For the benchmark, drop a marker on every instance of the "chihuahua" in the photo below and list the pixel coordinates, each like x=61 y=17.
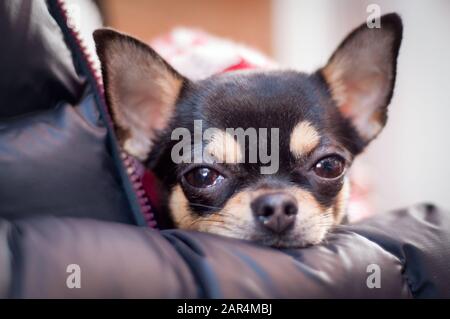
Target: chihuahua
x=313 y=126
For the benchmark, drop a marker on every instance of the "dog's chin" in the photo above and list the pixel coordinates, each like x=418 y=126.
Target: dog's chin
x=289 y=240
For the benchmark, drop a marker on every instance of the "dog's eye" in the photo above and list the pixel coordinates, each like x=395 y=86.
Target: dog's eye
x=202 y=177
x=329 y=167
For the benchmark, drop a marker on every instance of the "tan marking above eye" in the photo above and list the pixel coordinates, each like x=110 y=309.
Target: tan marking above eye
x=304 y=138
x=223 y=148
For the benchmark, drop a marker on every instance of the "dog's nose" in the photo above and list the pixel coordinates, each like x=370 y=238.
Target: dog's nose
x=275 y=211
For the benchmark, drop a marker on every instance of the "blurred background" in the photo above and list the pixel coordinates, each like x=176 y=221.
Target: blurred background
x=407 y=164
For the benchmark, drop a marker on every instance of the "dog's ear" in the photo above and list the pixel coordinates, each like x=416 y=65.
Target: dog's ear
x=361 y=74
x=141 y=89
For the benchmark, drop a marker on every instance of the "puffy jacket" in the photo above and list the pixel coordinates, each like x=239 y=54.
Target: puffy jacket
x=66 y=198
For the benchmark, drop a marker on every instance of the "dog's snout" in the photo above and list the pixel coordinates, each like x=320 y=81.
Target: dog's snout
x=275 y=211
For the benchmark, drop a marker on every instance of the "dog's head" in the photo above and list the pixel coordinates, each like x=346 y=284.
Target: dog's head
x=259 y=155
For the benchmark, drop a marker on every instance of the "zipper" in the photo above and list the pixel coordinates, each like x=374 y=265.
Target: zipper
x=133 y=168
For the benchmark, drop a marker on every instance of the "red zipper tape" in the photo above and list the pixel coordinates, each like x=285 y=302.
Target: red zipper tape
x=133 y=167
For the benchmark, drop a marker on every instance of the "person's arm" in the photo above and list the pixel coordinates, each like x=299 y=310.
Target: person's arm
x=400 y=255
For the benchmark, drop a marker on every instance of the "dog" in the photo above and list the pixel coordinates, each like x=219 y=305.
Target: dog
x=313 y=125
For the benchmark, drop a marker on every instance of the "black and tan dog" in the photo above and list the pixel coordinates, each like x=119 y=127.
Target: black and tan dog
x=321 y=120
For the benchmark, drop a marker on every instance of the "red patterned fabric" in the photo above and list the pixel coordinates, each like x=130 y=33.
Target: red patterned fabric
x=197 y=54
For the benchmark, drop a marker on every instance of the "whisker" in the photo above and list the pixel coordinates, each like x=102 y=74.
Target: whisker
x=200 y=205
x=205 y=206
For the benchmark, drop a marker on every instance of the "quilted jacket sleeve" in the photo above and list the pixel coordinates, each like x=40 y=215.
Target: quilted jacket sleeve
x=402 y=254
